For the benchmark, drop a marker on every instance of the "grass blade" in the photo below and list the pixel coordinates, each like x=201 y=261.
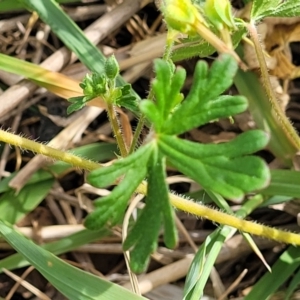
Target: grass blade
x=288 y=262
x=70 y=281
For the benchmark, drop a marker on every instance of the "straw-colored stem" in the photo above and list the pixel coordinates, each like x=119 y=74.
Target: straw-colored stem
x=177 y=201
x=116 y=129
x=280 y=115
x=217 y=43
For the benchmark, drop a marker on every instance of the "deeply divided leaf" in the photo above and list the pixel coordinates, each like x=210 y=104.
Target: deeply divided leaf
x=223 y=168
x=143 y=236
x=203 y=103
x=111 y=208
x=228 y=168
x=166 y=88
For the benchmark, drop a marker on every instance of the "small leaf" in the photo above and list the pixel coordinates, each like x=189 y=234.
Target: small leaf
x=219 y=13
x=167 y=86
x=289 y=8
x=125 y=97
x=151 y=112
x=198 y=47
x=126 y=89
x=222 y=168
x=77 y=104
x=260 y=9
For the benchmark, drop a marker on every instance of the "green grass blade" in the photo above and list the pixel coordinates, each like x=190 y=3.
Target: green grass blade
x=288 y=262
x=13 y=5
x=14 y=207
x=64 y=245
x=70 y=281
x=293 y=285
x=284 y=183
x=208 y=252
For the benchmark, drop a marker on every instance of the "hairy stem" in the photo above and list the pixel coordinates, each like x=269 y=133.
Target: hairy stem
x=177 y=201
x=26 y=144
x=116 y=129
x=217 y=43
x=137 y=133
x=286 y=125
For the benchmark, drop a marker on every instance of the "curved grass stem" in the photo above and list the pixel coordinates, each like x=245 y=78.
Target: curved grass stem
x=177 y=201
x=283 y=120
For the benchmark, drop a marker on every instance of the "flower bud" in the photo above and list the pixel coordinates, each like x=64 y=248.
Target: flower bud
x=219 y=13
x=111 y=67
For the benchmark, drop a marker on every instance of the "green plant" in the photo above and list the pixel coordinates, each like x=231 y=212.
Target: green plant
x=228 y=170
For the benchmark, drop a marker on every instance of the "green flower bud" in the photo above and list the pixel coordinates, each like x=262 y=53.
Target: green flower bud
x=219 y=13
x=99 y=84
x=111 y=67
x=87 y=85
x=93 y=85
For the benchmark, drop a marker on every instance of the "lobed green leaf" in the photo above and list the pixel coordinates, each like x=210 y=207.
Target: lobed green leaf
x=105 y=176
x=221 y=107
x=203 y=103
x=222 y=168
x=143 y=236
x=110 y=209
x=166 y=87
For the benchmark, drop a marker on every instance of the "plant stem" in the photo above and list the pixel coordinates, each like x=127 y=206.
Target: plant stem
x=39 y=148
x=217 y=43
x=233 y=221
x=178 y=202
x=286 y=125
x=137 y=133
x=116 y=129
